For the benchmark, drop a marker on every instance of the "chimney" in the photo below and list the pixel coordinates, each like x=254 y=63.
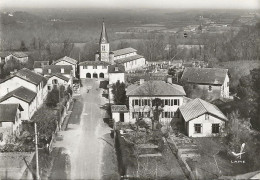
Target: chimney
x=111 y=58
x=141 y=81
x=97 y=56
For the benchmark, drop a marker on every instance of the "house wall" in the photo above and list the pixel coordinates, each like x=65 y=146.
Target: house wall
x=38 y=70
x=74 y=67
x=206 y=126
x=29 y=109
x=14 y=83
x=22 y=60
x=60 y=82
x=135 y=64
x=83 y=69
x=124 y=55
x=116 y=117
x=167 y=108
x=114 y=77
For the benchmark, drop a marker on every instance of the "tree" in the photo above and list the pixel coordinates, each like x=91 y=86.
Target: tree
x=119 y=93
x=53 y=98
x=23 y=47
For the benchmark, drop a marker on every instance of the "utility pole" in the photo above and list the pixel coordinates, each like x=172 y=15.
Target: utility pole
x=36 y=151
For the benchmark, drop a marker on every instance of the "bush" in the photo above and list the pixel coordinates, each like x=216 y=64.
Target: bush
x=53 y=98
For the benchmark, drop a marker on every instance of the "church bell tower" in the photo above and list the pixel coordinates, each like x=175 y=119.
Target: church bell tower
x=104 y=44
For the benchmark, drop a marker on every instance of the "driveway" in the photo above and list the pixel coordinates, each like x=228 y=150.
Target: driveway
x=89 y=154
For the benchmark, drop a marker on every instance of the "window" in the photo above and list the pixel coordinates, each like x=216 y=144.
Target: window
x=49 y=71
x=171 y=102
x=166 y=102
x=197 y=128
x=215 y=128
x=94 y=67
x=210 y=88
x=116 y=69
x=85 y=67
x=19 y=115
x=62 y=70
x=49 y=88
x=103 y=48
x=206 y=117
x=176 y=102
x=136 y=102
x=54 y=81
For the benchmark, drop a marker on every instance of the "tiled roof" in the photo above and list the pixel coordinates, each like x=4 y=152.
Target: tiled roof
x=94 y=63
x=124 y=51
x=112 y=68
x=27 y=75
x=30 y=76
x=128 y=59
x=198 y=107
x=19 y=54
x=103 y=36
x=67 y=59
x=4 y=54
x=60 y=76
x=8 y=112
x=119 y=108
x=214 y=76
x=57 y=69
x=21 y=93
x=40 y=64
x=155 y=88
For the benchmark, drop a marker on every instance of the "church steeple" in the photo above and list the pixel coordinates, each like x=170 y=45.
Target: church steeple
x=104 y=44
x=103 y=36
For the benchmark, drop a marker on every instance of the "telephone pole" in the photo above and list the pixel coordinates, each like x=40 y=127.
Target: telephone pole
x=36 y=152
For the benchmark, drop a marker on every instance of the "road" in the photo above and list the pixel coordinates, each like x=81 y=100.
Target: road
x=88 y=153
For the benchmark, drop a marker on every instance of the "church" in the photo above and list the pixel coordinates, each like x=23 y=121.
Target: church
x=98 y=68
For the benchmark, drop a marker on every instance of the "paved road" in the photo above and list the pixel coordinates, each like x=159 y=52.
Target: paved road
x=82 y=140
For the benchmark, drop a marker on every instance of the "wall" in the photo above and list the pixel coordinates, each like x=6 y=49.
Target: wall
x=116 y=117
x=166 y=108
x=206 y=126
x=114 y=77
x=83 y=72
x=74 y=67
x=135 y=64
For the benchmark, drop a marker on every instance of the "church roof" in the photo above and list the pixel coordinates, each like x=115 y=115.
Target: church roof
x=120 y=52
x=103 y=36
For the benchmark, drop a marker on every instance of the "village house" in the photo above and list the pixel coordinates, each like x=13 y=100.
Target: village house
x=26 y=78
x=56 y=80
x=201 y=119
x=5 y=56
x=210 y=82
x=93 y=69
x=116 y=73
x=10 y=121
x=141 y=96
x=68 y=61
x=38 y=66
x=20 y=56
x=25 y=97
x=65 y=70
x=120 y=113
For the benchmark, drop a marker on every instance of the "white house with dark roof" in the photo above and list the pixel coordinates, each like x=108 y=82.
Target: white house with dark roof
x=58 y=80
x=26 y=78
x=38 y=66
x=65 y=70
x=211 y=81
x=93 y=69
x=25 y=97
x=67 y=61
x=10 y=121
x=141 y=96
x=120 y=113
x=20 y=56
x=202 y=119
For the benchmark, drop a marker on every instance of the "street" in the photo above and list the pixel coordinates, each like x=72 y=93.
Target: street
x=89 y=155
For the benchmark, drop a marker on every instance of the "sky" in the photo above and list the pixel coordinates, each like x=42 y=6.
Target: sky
x=212 y=4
